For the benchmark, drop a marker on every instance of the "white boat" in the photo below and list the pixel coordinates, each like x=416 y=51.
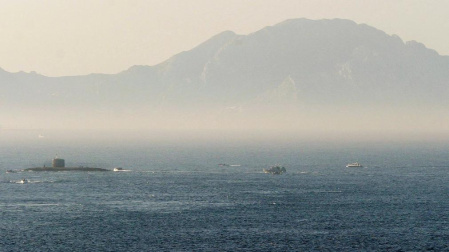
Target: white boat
x=356 y=164
x=118 y=169
x=23 y=181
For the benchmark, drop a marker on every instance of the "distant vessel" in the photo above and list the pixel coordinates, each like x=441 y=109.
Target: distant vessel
x=356 y=164
x=23 y=181
x=229 y=165
x=275 y=169
x=118 y=169
x=58 y=164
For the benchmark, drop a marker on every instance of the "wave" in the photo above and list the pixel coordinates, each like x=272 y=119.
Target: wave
x=34 y=181
x=325 y=191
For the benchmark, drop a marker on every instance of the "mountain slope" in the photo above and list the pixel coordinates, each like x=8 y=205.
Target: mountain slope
x=299 y=73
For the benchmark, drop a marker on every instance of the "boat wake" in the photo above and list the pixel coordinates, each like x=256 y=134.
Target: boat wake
x=28 y=181
x=21 y=181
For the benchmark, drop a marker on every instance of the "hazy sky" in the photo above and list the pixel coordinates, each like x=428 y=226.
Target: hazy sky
x=74 y=37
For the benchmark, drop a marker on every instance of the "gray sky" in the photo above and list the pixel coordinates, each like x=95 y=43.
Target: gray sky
x=75 y=37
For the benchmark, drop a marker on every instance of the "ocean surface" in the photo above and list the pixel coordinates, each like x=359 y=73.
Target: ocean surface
x=175 y=197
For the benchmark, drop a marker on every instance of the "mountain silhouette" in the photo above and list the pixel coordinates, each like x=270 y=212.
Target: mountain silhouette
x=290 y=72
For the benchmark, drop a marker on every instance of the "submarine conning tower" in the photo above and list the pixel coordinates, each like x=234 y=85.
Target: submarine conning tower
x=58 y=163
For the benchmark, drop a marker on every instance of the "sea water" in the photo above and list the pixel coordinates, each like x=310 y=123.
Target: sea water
x=175 y=197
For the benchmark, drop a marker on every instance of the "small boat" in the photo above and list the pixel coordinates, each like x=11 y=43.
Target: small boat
x=229 y=165
x=23 y=181
x=356 y=164
x=275 y=169
x=118 y=169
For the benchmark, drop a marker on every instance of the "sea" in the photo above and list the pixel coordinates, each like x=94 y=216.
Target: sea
x=174 y=196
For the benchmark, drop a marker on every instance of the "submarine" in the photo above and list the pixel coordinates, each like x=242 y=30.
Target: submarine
x=58 y=164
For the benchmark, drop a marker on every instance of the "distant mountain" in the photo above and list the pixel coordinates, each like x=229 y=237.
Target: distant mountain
x=290 y=73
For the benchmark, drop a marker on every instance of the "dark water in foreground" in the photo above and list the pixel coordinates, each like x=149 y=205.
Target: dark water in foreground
x=176 y=198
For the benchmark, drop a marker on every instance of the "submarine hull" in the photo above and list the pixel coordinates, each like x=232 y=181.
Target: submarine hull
x=58 y=169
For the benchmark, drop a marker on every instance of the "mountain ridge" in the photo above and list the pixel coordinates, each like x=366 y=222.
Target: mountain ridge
x=291 y=68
